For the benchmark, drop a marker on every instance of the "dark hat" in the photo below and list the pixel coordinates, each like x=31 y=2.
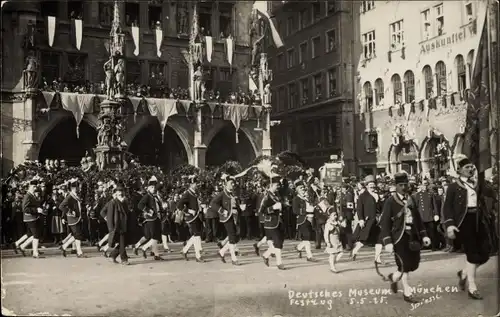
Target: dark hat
x=401 y=178
x=193 y=179
x=463 y=161
x=73 y=182
x=153 y=181
x=118 y=188
x=275 y=180
x=33 y=182
x=299 y=183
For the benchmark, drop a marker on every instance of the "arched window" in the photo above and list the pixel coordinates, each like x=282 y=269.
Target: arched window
x=441 y=78
x=470 y=60
x=396 y=88
x=379 y=91
x=367 y=89
x=461 y=73
x=427 y=72
x=409 y=82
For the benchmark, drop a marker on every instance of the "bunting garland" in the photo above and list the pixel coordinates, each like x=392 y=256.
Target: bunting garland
x=162 y=109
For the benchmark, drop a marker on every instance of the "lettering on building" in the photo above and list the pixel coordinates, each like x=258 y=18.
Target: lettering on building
x=447 y=40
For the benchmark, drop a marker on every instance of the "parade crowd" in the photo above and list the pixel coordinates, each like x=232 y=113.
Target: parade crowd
x=144 y=208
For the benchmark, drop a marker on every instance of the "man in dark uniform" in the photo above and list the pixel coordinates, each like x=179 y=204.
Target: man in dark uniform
x=402 y=232
x=116 y=216
x=464 y=214
x=347 y=201
x=211 y=221
x=305 y=216
x=72 y=210
x=227 y=205
x=151 y=205
x=426 y=205
x=189 y=204
x=273 y=224
x=368 y=208
x=32 y=210
x=260 y=214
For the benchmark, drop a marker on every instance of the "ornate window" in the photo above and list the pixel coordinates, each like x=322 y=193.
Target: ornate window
x=371 y=141
x=50 y=66
x=75 y=10
x=132 y=14
x=429 y=82
x=105 y=13
x=332 y=82
x=304 y=88
x=157 y=74
x=318 y=86
x=379 y=91
x=441 y=78
x=461 y=73
x=133 y=72
x=205 y=18
x=225 y=19
x=368 y=91
x=369 y=44
x=396 y=89
x=155 y=16
x=292 y=92
x=75 y=71
x=409 y=82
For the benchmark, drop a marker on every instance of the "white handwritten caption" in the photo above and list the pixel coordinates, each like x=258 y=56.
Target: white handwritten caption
x=371 y=296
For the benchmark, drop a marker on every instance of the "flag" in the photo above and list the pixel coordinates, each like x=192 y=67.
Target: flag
x=261 y=8
x=477 y=138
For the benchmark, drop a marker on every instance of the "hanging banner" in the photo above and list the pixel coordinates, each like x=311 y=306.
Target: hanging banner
x=78 y=33
x=235 y=114
x=159 y=41
x=229 y=48
x=209 y=46
x=135 y=37
x=51 y=29
x=162 y=109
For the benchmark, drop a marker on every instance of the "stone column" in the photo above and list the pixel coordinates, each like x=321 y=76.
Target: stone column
x=199 y=149
x=29 y=143
x=266 y=133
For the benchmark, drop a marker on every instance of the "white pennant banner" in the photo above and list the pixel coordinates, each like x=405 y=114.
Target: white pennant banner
x=159 y=40
x=135 y=37
x=229 y=47
x=51 y=29
x=78 y=33
x=209 y=43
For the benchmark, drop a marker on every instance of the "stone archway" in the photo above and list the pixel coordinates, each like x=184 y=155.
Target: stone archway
x=60 y=141
x=403 y=156
x=435 y=156
x=222 y=146
x=147 y=145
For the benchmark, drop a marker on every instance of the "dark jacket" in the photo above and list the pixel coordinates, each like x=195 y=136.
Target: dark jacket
x=150 y=206
x=426 y=205
x=72 y=209
x=223 y=202
x=189 y=201
x=272 y=217
x=393 y=220
x=30 y=207
x=116 y=215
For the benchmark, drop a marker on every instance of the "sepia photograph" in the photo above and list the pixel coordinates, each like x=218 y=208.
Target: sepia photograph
x=199 y=158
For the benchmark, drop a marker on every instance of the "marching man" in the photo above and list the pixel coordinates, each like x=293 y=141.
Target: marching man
x=273 y=224
x=72 y=211
x=31 y=215
x=189 y=203
x=151 y=205
x=115 y=213
x=402 y=230
x=305 y=215
x=464 y=211
x=227 y=205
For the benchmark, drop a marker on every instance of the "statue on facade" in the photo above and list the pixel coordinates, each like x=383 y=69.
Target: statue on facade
x=198 y=84
x=267 y=94
x=108 y=70
x=182 y=17
x=29 y=36
x=104 y=134
x=30 y=73
x=119 y=84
